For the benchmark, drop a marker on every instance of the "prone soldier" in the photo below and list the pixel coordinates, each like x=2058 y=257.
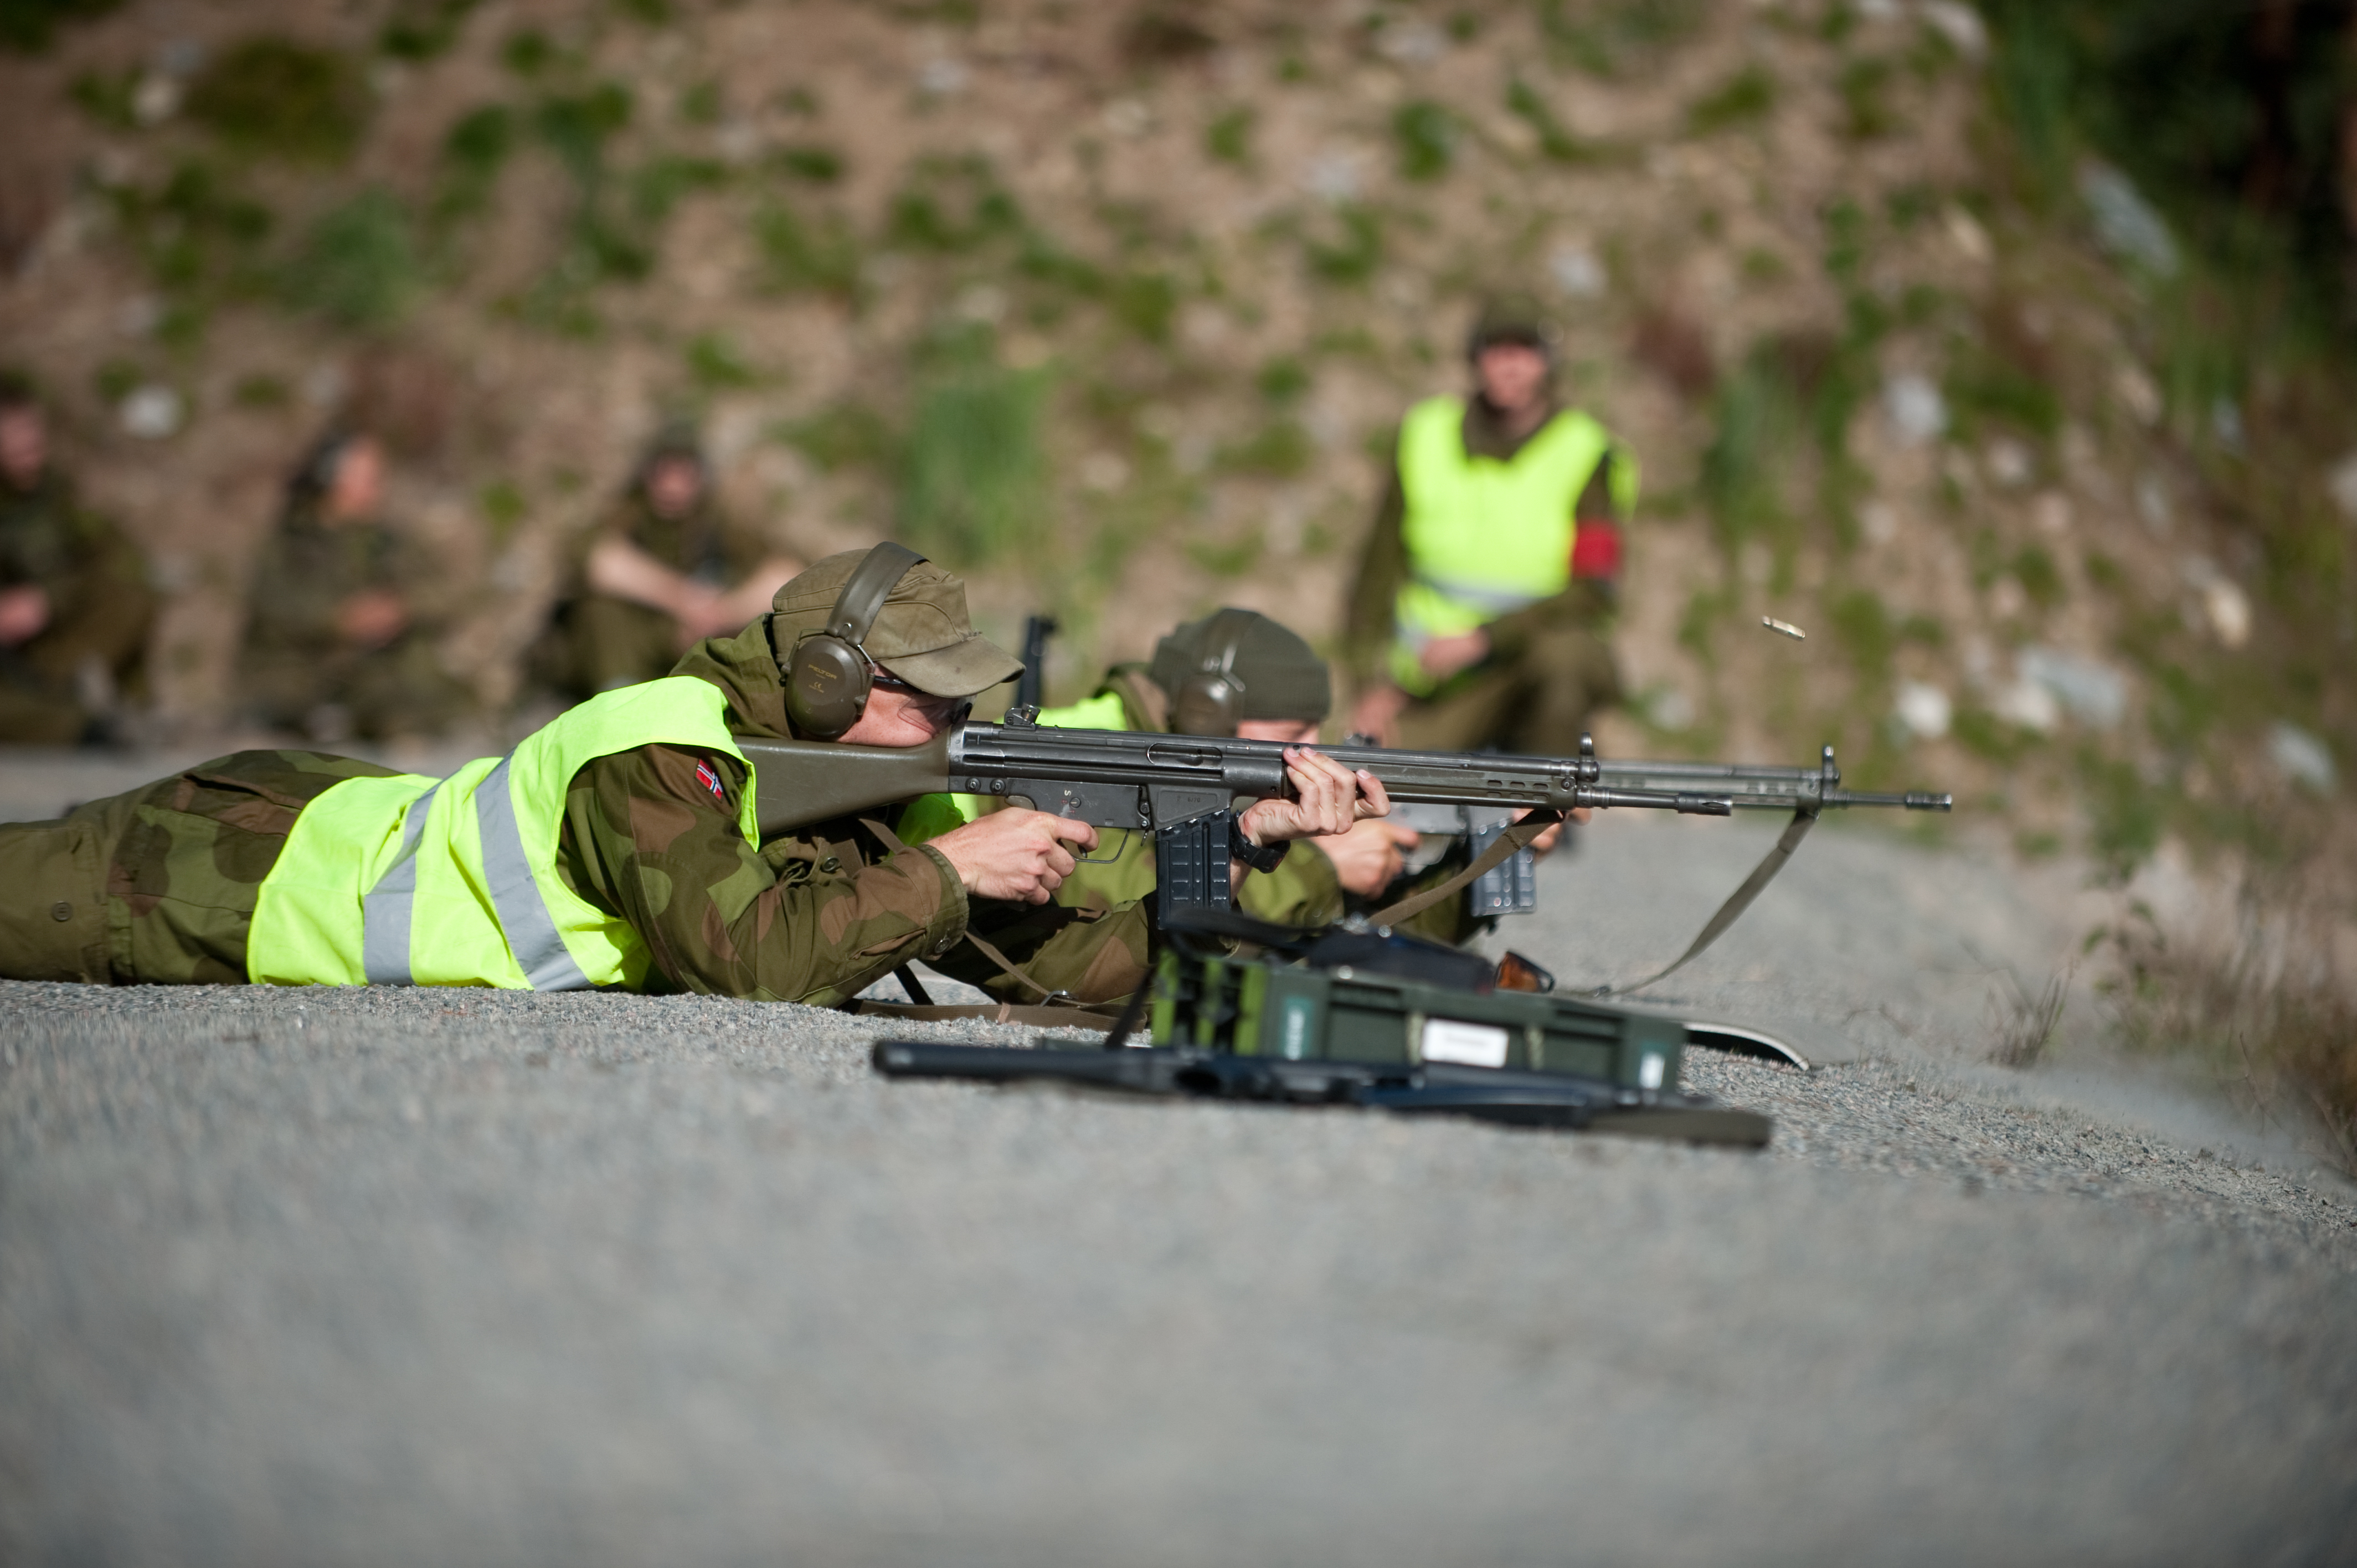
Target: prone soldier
x=617 y=845
x=340 y=638
x=664 y=568
x=1477 y=616
x=75 y=605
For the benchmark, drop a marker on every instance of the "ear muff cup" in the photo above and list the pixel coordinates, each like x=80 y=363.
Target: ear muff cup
x=1209 y=701
x=829 y=674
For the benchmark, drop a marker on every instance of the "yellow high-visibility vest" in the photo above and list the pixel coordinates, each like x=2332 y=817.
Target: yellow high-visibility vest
x=1484 y=537
x=416 y=881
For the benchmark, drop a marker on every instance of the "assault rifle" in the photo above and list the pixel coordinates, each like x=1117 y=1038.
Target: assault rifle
x=1184 y=790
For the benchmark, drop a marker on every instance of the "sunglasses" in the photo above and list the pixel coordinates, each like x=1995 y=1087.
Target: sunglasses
x=882 y=680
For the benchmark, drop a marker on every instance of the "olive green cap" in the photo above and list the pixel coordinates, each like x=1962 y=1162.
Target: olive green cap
x=1280 y=675
x=922 y=635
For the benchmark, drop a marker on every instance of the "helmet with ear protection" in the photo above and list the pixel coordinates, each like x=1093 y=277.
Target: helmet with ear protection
x=1209 y=701
x=828 y=673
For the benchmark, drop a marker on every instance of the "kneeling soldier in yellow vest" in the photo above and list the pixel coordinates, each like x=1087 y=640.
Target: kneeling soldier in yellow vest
x=614 y=848
x=1477 y=616
x=1234 y=672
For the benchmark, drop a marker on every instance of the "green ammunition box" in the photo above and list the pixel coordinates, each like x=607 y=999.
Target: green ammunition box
x=1257 y=1008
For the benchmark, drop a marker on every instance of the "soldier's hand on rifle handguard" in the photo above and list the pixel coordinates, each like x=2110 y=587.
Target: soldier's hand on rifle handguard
x=1331 y=798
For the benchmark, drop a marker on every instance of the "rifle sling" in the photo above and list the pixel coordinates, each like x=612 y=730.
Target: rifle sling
x=1511 y=839
x=1736 y=902
x=994 y=1010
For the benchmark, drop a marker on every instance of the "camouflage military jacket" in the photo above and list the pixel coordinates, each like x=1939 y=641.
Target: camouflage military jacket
x=648 y=834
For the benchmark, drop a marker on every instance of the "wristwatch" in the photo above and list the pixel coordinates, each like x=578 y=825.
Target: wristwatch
x=1259 y=856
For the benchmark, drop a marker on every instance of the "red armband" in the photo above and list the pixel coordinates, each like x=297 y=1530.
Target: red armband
x=1596 y=548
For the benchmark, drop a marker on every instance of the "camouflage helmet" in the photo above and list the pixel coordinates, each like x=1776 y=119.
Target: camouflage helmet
x=1514 y=318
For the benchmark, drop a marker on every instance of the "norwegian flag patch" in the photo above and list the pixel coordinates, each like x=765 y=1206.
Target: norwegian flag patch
x=711 y=780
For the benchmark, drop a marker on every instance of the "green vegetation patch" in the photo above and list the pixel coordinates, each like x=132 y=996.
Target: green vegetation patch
x=273 y=97
x=811 y=162
x=843 y=436
x=1865 y=85
x=422 y=30
x=1349 y=249
x=1619 y=38
x=949 y=206
x=359 y=265
x=1229 y=137
x=715 y=363
x=801 y=253
x=1279 y=449
x=974 y=477
x=28 y=25
x=1745 y=99
x=1425 y=136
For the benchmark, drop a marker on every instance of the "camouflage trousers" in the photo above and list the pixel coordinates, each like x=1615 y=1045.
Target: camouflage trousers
x=157 y=885
x=1536 y=702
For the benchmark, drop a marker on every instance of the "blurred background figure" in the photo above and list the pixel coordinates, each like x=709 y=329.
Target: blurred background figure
x=1488 y=581
x=75 y=605
x=665 y=568
x=341 y=640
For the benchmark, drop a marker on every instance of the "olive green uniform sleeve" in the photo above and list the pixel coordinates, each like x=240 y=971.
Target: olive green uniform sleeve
x=810 y=919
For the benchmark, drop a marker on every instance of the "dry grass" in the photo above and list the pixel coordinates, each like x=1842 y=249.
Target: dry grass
x=2269 y=1008
x=2027 y=1020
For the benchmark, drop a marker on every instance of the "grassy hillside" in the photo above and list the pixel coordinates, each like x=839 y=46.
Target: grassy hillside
x=1948 y=337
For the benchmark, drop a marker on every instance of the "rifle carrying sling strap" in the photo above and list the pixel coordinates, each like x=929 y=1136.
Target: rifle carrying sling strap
x=1736 y=902
x=1513 y=840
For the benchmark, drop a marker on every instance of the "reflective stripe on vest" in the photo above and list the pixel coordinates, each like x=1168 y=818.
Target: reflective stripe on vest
x=389 y=907
x=412 y=880
x=525 y=918
x=1483 y=537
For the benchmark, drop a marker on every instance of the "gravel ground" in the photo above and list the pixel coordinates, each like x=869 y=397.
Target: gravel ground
x=387 y=1277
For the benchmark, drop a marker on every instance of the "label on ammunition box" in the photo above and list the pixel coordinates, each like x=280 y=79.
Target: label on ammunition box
x=1473 y=1045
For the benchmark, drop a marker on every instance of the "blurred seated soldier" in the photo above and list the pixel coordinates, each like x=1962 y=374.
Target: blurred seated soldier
x=1278 y=690
x=75 y=605
x=1492 y=568
x=656 y=578
x=617 y=847
x=342 y=630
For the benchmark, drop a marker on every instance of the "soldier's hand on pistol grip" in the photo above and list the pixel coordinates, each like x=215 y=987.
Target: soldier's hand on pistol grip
x=1015 y=854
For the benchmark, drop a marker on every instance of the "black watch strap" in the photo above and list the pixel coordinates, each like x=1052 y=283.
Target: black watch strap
x=1259 y=856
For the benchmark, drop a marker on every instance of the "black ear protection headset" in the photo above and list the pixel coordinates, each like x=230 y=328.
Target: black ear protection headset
x=1208 y=701
x=829 y=674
